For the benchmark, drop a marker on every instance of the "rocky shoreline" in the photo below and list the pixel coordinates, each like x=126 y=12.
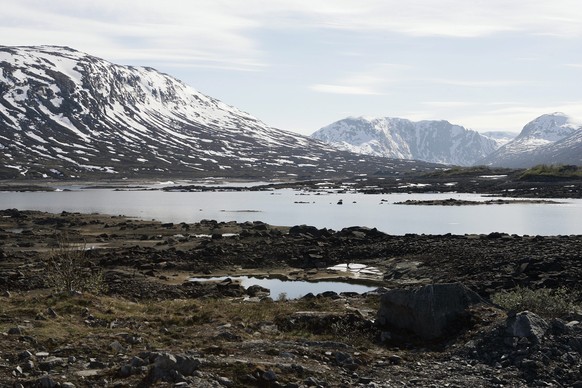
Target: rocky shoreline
x=154 y=327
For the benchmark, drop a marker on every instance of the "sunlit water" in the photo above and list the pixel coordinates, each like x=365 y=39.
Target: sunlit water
x=290 y=207
x=293 y=289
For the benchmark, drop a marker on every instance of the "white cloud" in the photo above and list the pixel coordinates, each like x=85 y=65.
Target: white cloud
x=178 y=31
x=227 y=32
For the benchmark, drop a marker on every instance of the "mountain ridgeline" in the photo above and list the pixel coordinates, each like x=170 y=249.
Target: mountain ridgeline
x=549 y=139
x=431 y=141
x=66 y=114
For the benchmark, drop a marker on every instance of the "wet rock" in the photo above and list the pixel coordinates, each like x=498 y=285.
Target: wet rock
x=429 y=312
x=256 y=290
x=304 y=230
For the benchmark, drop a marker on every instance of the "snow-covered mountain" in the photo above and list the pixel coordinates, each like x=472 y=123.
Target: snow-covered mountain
x=549 y=139
x=64 y=113
x=431 y=141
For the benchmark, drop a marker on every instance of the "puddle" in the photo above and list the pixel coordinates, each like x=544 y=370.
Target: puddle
x=210 y=236
x=293 y=289
x=356 y=269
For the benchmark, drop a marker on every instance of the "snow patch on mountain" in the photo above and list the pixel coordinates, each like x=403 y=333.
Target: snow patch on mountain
x=55 y=101
x=432 y=141
x=550 y=138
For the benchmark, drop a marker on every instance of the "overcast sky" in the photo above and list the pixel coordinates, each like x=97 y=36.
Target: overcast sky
x=302 y=64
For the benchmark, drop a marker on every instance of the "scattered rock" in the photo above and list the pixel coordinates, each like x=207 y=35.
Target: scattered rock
x=172 y=368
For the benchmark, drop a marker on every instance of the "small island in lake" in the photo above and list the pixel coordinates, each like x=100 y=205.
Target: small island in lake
x=464 y=202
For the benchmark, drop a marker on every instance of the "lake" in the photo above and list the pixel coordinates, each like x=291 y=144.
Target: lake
x=289 y=207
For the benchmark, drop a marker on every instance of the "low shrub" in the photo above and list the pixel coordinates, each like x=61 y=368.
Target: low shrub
x=68 y=269
x=549 y=303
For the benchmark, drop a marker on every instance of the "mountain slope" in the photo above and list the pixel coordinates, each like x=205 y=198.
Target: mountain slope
x=549 y=139
x=500 y=137
x=64 y=113
x=431 y=141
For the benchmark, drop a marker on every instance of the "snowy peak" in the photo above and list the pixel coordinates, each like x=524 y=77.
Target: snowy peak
x=549 y=127
x=549 y=139
x=67 y=114
x=432 y=141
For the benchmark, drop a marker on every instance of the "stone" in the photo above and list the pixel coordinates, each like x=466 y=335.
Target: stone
x=269 y=375
x=137 y=362
x=15 y=331
x=395 y=359
x=256 y=290
x=45 y=382
x=116 y=347
x=51 y=362
x=225 y=381
x=125 y=371
x=170 y=367
x=429 y=312
x=25 y=355
x=526 y=325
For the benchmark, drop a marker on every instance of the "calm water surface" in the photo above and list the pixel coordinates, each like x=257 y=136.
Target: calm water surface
x=293 y=289
x=290 y=207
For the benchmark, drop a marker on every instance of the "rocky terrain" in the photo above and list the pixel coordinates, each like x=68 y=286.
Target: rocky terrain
x=147 y=325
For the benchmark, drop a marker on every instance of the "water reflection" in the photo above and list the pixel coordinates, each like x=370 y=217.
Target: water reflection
x=319 y=209
x=292 y=289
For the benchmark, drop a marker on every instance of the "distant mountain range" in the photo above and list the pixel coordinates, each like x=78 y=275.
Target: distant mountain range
x=432 y=141
x=67 y=114
x=549 y=139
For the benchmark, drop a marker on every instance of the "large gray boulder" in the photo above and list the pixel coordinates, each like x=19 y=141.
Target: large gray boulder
x=429 y=312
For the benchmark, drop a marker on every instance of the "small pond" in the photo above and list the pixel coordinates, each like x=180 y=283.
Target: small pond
x=293 y=289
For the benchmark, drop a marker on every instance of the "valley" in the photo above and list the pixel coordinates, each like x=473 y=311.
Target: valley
x=125 y=190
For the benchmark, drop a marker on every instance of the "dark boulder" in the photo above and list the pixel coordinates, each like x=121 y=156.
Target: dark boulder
x=429 y=312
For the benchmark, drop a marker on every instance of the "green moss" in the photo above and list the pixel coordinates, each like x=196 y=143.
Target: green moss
x=552 y=171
